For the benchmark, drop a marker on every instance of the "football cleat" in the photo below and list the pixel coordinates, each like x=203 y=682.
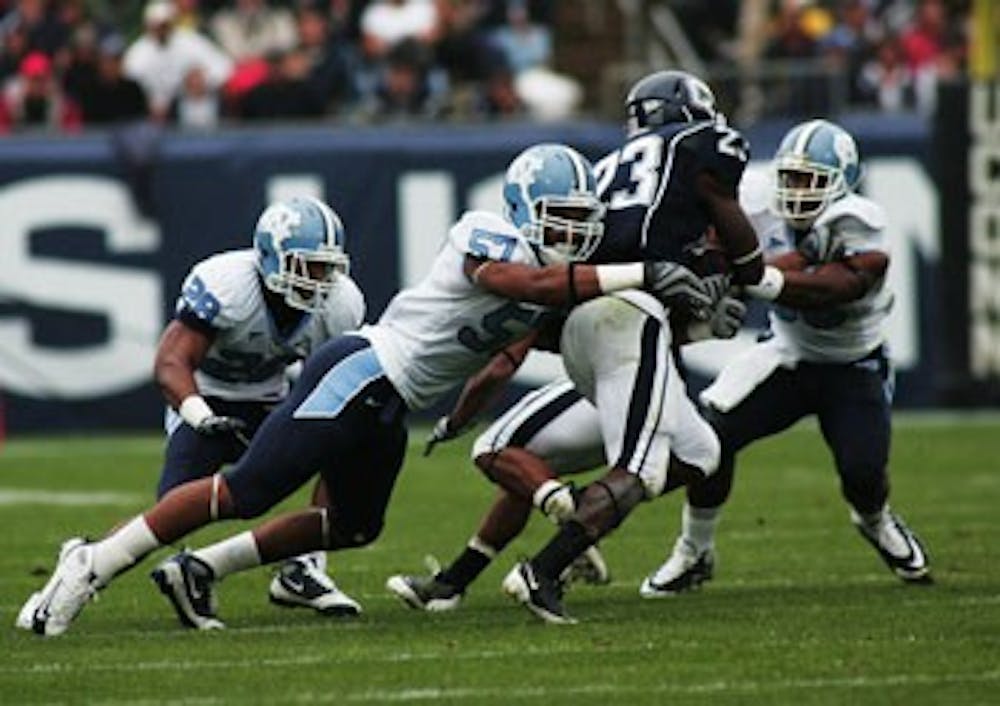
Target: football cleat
x=189 y=583
x=428 y=593
x=684 y=570
x=589 y=567
x=539 y=594
x=50 y=611
x=300 y=583
x=898 y=546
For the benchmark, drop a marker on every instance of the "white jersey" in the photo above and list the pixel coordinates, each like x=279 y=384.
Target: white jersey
x=248 y=356
x=850 y=225
x=444 y=329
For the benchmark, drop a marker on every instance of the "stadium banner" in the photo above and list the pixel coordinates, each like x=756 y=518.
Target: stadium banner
x=99 y=231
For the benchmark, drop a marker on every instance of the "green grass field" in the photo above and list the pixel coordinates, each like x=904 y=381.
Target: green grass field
x=801 y=610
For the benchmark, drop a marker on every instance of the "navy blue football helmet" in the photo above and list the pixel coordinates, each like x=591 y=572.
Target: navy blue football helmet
x=668 y=97
x=550 y=195
x=816 y=163
x=300 y=250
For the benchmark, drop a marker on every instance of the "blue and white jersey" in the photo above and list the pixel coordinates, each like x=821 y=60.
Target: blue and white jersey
x=851 y=225
x=248 y=355
x=434 y=335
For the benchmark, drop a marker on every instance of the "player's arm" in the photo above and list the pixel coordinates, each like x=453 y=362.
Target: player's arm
x=566 y=285
x=481 y=389
x=826 y=285
x=833 y=283
x=732 y=227
x=181 y=349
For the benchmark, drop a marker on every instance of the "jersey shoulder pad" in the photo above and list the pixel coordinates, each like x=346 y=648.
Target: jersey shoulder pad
x=717 y=148
x=222 y=289
x=489 y=236
x=854 y=207
x=344 y=309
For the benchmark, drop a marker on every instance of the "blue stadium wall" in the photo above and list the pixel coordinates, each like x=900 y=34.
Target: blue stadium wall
x=98 y=232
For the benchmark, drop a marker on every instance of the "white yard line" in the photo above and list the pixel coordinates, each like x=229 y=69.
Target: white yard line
x=32 y=496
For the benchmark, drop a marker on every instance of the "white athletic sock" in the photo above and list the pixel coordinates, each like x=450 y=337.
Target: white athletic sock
x=698 y=526
x=477 y=544
x=123 y=548
x=237 y=553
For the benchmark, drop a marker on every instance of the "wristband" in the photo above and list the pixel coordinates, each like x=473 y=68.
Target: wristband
x=544 y=491
x=611 y=278
x=770 y=285
x=194 y=410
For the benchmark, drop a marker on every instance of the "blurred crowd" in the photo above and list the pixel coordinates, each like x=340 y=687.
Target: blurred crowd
x=69 y=64
x=196 y=64
x=881 y=54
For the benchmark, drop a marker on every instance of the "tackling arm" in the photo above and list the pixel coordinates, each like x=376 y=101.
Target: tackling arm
x=833 y=283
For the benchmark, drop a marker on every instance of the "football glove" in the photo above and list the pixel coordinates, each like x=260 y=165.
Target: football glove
x=672 y=284
x=442 y=431
x=727 y=317
x=219 y=426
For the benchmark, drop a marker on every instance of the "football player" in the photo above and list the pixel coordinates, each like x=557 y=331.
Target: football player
x=242 y=318
x=491 y=283
x=674 y=177
x=828 y=254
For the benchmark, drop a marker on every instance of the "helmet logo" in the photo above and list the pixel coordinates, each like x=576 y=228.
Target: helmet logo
x=523 y=172
x=280 y=220
x=845 y=149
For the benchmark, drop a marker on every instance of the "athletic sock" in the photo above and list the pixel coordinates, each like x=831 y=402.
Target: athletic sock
x=476 y=556
x=570 y=541
x=236 y=553
x=123 y=548
x=698 y=526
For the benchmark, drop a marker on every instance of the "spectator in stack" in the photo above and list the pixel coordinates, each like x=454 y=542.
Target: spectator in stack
x=252 y=29
x=34 y=99
x=405 y=87
x=524 y=44
x=885 y=80
x=164 y=55
x=111 y=97
x=386 y=23
x=198 y=106
x=286 y=92
x=331 y=63
x=42 y=29
x=462 y=48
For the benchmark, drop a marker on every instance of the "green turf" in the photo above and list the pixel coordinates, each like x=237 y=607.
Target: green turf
x=801 y=610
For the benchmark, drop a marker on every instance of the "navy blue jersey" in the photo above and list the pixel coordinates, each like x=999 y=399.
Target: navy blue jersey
x=649 y=187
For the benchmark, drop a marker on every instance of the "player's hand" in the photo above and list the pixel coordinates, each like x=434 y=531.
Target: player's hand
x=442 y=431
x=727 y=317
x=672 y=283
x=220 y=426
x=717 y=287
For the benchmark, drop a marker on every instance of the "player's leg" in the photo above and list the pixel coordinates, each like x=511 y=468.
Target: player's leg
x=620 y=356
x=855 y=418
x=355 y=433
x=770 y=408
x=549 y=432
x=304 y=581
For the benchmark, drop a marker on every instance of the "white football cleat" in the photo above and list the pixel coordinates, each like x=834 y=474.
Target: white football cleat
x=684 y=570
x=302 y=584
x=428 y=592
x=899 y=547
x=73 y=584
x=539 y=594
